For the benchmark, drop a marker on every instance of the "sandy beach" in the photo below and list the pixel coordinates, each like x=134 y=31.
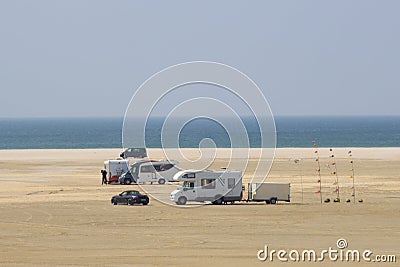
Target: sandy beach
x=55 y=212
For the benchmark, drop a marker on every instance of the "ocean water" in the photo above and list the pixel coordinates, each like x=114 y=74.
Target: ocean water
x=375 y=131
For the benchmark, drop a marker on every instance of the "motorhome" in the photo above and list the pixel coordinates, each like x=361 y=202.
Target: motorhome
x=115 y=168
x=208 y=185
x=150 y=171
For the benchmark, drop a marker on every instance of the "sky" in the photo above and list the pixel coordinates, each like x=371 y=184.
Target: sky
x=81 y=58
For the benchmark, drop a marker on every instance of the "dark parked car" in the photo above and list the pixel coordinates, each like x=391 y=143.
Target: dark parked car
x=127 y=178
x=134 y=153
x=130 y=197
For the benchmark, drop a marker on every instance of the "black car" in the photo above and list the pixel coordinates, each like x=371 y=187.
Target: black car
x=134 y=153
x=130 y=197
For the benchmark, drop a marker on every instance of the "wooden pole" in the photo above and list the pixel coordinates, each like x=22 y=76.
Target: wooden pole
x=337 y=188
x=318 y=170
x=298 y=161
x=352 y=176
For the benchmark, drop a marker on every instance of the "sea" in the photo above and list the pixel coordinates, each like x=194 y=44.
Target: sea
x=291 y=131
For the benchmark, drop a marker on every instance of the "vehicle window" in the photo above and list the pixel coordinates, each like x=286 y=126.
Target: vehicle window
x=133 y=169
x=125 y=193
x=165 y=167
x=149 y=168
x=187 y=184
x=134 y=193
x=208 y=183
x=231 y=183
x=189 y=175
x=157 y=167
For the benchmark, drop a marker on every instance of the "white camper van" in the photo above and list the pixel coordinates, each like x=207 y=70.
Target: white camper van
x=206 y=185
x=115 y=168
x=150 y=171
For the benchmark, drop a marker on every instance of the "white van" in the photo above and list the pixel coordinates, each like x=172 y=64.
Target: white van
x=207 y=185
x=150 y=171
x=115 y=168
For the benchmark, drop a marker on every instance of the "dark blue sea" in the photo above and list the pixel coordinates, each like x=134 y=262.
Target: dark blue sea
x=375 y=131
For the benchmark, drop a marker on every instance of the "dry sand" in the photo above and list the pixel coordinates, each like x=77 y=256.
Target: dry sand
x=54 y=212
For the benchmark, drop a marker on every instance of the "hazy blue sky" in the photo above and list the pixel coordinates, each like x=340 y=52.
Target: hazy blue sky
x=86 y=58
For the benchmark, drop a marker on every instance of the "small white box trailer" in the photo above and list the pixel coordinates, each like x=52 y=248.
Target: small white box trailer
x=269 y=192
x=207 y=185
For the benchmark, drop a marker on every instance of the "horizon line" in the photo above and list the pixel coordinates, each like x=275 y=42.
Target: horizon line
x=241 y=116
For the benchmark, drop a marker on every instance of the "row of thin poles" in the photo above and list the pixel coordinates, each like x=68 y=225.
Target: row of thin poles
x=334 y=173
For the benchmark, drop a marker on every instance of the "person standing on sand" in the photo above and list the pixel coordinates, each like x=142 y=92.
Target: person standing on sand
x=103 y=177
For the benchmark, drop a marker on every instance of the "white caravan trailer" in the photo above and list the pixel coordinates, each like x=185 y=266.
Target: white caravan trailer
x=150 y=171
x=269 y=192
x=206 y=185
x=115 y=168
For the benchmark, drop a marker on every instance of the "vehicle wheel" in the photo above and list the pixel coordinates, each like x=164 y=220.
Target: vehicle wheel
x=145 y=203
x=182 y=200
x=161 y=181
x=130 y=202
x=272 y=201
x=114 y=202
x=218 y=200
x=127 y=181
